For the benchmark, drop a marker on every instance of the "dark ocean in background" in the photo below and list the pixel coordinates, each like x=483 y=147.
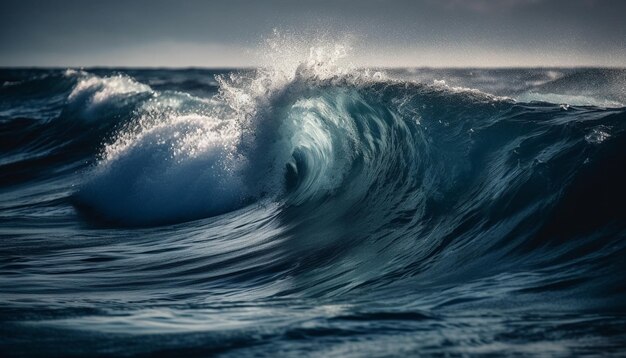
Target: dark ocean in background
x=312 y=211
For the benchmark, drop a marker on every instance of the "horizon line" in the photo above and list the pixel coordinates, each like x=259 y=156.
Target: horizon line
x=230 y=68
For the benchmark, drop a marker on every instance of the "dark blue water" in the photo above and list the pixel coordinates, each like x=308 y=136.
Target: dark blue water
x=312 y=212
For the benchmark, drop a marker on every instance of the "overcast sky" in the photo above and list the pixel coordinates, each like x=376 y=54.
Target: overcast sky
x=71 y=33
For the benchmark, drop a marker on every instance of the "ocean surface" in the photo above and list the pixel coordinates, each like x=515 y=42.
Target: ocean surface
x=312 y=210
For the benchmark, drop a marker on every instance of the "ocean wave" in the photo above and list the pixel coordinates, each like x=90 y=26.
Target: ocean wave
x=425 y=173
x=234 y=151
x=95 y=97
x=301 y=134
x=306 y=201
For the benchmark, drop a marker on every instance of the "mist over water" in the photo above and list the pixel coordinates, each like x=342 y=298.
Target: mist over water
x=312 y=207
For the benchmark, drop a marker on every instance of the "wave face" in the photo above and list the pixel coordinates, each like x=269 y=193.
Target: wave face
x=312 y=208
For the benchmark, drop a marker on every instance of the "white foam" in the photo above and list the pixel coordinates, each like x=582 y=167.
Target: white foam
x=442 y=84
x=93 y=93
x=598 y=135
x=168 y=169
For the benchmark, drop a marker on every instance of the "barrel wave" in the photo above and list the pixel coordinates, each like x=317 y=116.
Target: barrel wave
x=312 y=209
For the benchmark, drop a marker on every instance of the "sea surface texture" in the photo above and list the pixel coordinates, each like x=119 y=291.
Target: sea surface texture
x=312 y=210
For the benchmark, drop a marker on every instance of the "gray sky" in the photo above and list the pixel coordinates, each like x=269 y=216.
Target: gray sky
x=384 y=33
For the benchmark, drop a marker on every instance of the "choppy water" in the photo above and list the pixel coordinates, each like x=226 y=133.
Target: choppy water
x=312 y=211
